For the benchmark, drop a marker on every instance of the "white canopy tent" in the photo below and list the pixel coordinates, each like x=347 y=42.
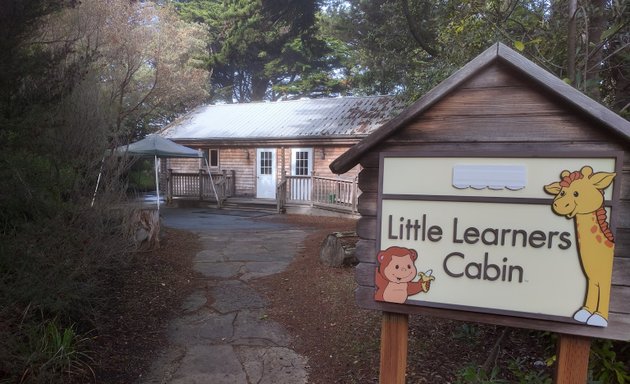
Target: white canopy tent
x=159 y=147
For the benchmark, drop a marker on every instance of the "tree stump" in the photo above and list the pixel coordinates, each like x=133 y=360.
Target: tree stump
x=338 y=249
x=145 y=227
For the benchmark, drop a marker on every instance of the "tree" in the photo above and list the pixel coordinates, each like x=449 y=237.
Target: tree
x=259 y=49
x=74 y=79
x=150 y=65
x=385 y=53
x=408 y=46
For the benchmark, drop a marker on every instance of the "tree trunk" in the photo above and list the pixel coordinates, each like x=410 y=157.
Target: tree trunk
x=571 y=41
x=145 y=224
x=334 y=253
x=259 y=88
x=621 y=80
x=596 y=26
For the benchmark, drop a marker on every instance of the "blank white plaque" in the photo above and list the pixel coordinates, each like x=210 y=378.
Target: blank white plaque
x=495 y=177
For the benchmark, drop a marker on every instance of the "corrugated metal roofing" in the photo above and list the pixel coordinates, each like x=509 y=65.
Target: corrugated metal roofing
x=283 y=119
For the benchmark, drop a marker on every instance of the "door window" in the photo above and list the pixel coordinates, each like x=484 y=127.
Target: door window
x=265 y=163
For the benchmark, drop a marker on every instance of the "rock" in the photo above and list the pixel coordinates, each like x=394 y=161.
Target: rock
x=141 y=235
x=338 y=249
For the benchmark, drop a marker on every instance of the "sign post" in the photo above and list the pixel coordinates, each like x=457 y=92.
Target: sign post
x=394 y=339
x=572 y=359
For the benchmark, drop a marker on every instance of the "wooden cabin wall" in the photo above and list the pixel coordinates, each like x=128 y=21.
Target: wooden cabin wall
x=184 y=165
x=230 y=159
x=496 y=111
x=243 y=162
x=322 y=165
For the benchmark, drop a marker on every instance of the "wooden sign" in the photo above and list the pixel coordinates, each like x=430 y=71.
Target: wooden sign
x=501 y=236
x=526 y=236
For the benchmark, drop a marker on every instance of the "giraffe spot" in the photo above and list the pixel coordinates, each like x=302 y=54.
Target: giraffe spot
x=598 y=238
x=594 y=229
x=609 y=244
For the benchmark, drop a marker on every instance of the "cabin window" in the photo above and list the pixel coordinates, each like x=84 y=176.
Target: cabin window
x=301 y=161
x=212 y=157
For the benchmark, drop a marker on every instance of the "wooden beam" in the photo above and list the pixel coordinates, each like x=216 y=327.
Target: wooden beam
x=572 y=354
x=394 y=338
x=617 y=329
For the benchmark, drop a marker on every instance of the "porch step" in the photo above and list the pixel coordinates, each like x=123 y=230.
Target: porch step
x=250 y=204
x=232 y=203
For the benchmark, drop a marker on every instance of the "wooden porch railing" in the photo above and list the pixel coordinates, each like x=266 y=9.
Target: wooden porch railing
x=325 y=192
x=198 y=185
x=281 y=195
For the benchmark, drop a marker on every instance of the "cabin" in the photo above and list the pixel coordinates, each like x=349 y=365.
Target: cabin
x=500 y=121
x=275 y=149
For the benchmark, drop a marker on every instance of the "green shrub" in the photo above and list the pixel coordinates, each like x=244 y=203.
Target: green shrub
x=608 y=362
x=524 y=374
x=467 y=332
x=55 y=274
x=473 y=374
x=142 y=176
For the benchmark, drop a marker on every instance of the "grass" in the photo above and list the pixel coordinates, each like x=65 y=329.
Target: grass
x=55 y=352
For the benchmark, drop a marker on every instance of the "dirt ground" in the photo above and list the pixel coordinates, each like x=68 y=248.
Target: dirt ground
x=317 y=306
x=342 y=341
x=152 y=288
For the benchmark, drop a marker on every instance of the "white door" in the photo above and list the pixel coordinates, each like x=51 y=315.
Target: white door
x=301 y=166
x=266 y=173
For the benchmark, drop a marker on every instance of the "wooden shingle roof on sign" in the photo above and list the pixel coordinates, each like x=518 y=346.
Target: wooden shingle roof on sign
x=295 y=119
x=554 y=86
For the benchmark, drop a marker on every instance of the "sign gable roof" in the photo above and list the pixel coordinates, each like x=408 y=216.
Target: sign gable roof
x=497 y=52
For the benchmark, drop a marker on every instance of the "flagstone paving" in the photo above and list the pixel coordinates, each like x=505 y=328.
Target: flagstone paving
x=224 y=335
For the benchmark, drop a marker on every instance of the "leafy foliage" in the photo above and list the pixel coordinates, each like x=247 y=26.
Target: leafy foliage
x=150 y=64
x=382 y=56
x=609 y=362
x=262 y=49
x=409 y=46
x=75 y=79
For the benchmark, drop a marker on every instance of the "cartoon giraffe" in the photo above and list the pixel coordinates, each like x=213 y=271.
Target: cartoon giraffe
x=580 y=196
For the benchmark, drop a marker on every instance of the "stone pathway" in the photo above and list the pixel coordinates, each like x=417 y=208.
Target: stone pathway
x=224 y=335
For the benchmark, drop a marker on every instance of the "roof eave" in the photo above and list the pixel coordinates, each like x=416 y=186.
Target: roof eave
x=280 y=140
x=349 y=159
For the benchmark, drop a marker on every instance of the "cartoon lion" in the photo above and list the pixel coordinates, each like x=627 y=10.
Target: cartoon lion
x=395 y=274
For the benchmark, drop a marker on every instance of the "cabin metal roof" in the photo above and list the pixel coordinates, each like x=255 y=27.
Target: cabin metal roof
x=332 y=117
x=498 y=52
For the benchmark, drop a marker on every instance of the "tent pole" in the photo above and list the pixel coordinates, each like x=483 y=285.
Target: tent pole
x=98 y=181
x=214 y=189
x=157 y=183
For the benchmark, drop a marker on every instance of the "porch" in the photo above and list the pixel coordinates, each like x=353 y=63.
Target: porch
x=334 y=194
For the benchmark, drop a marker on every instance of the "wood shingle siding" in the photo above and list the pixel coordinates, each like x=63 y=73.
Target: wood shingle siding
x=236 y=159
